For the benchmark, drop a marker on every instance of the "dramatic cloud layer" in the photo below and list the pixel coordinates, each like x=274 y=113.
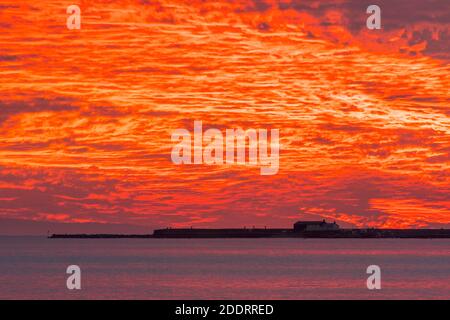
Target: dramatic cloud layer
x=86 y=115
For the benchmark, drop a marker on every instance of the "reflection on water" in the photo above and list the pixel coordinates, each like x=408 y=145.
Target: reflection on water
x=224 y=269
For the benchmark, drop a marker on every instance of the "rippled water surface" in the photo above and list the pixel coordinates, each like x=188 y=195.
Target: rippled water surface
x=34 y=268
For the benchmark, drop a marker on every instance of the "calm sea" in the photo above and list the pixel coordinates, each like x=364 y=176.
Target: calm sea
x=35 y=268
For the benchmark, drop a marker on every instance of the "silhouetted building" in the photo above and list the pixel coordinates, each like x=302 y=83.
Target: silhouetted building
x=302 y=226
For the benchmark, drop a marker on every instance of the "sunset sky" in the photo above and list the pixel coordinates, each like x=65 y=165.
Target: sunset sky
x=86 y=116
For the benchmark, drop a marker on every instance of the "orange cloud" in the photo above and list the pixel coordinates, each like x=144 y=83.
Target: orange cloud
x=86 y=115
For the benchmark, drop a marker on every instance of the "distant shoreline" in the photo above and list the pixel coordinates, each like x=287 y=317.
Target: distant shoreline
x=271 y=233
x=100 y=236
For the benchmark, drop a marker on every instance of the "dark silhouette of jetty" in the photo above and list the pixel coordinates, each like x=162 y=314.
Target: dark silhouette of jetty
x=301 y=229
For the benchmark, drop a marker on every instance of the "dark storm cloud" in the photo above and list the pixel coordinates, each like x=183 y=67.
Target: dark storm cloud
x=395 y=15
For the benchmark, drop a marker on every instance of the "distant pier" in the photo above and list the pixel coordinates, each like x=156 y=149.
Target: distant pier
x=301 y=229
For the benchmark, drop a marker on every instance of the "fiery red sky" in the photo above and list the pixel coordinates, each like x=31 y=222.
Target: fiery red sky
x=86 y=115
